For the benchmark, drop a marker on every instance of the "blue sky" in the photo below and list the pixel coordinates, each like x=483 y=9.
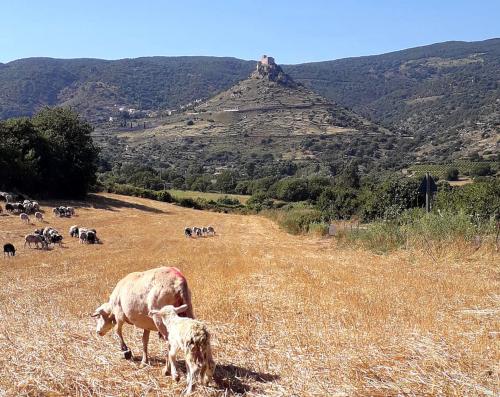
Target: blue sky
x=292 y=31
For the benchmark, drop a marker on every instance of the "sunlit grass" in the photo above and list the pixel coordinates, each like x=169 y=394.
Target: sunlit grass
x=290 y=315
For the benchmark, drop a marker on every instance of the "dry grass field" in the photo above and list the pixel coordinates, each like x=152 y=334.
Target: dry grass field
x=290 y=316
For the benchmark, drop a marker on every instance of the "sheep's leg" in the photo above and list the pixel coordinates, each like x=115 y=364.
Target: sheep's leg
x=207 y=370
x=127 y=354
x=145 y=340
x=173 y=364
x=193 y=373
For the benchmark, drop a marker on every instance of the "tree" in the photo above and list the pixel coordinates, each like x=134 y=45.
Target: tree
x=452 y=174
x=481 y=170
x=51 y=154
x=338 y=202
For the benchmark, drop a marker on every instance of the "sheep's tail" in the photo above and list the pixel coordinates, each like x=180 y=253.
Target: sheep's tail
x=185 y=295
x=199 y=345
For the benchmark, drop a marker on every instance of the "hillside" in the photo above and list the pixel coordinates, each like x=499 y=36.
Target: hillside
x=265 y=118
x=444 y=96
x=288 y=315
x=98 y=88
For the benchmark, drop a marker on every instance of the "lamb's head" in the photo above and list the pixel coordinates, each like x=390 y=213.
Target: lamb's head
x=168 y=312
x=105 y=319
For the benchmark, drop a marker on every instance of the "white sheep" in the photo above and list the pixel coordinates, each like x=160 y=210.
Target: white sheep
x=24 y=217
x=190 y=336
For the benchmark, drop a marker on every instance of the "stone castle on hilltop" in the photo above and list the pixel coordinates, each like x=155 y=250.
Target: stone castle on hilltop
x=268 y=69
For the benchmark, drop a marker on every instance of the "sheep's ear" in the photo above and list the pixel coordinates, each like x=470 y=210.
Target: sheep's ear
x=153 y=312
x=181 y=309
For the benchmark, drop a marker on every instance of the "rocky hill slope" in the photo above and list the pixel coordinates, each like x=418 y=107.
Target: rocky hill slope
x=445 y=97
x=265 y=118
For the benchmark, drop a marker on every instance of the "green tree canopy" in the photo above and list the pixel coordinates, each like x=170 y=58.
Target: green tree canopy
x=51 y=154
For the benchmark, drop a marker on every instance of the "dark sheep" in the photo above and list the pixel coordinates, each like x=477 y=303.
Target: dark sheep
x=188 y=232
x=9 y=250
x=9 y=207
x=91 y=237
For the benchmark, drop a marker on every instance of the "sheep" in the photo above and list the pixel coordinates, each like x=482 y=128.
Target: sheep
x=190 y=336
x=210 y=230
x=188 y=232
x=56 y=238
x=91 y=237
x=9 y=207
x=70 y=210
x=35 y=239
x=56 y=212
x=204 y=230
x=39 y=216
x=73 y=231
x=82 y=236
x=9 y=250
x=24 y=217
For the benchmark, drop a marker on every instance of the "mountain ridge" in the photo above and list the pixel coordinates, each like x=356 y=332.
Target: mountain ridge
x=444 y=95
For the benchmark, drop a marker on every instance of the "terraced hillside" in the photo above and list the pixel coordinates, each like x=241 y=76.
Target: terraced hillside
x=289 y=315
x=258 y=118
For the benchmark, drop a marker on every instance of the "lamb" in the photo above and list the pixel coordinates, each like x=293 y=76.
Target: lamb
x=73 y=231
x=9 y=250
x=192 y=337
x=24 y=217
x=82 y=236
x=38 y=216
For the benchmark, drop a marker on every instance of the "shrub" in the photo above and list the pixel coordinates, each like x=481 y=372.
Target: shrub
x=188 y=202
x=452 y=174
x=295 y=220
x=165 y=196
x=481 y=170
x=292 y=189
x=337 y=203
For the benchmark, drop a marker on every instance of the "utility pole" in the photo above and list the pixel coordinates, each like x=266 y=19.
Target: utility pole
x=427 y=192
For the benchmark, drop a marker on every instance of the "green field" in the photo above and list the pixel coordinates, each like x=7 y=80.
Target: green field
x=180 y=194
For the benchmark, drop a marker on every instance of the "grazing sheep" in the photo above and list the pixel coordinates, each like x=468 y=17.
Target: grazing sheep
x=211 y=230
x=135 y=296
x=91 y=237
x=73 y=231
x=82 y=236
x=35 y=239
x=38 y=216
x=204 y=230
x=56 y=239
x=190 y=336
x=9 y=207
x=9 y=250
x=56 y=212
x=188 y=232
x=70 y=210
x=24 y=217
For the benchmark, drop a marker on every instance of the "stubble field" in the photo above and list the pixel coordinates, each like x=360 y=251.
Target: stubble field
x=290 y=316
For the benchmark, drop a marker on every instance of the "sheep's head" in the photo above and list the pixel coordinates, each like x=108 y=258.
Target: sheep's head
x=105 y=319
x=166 y=313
